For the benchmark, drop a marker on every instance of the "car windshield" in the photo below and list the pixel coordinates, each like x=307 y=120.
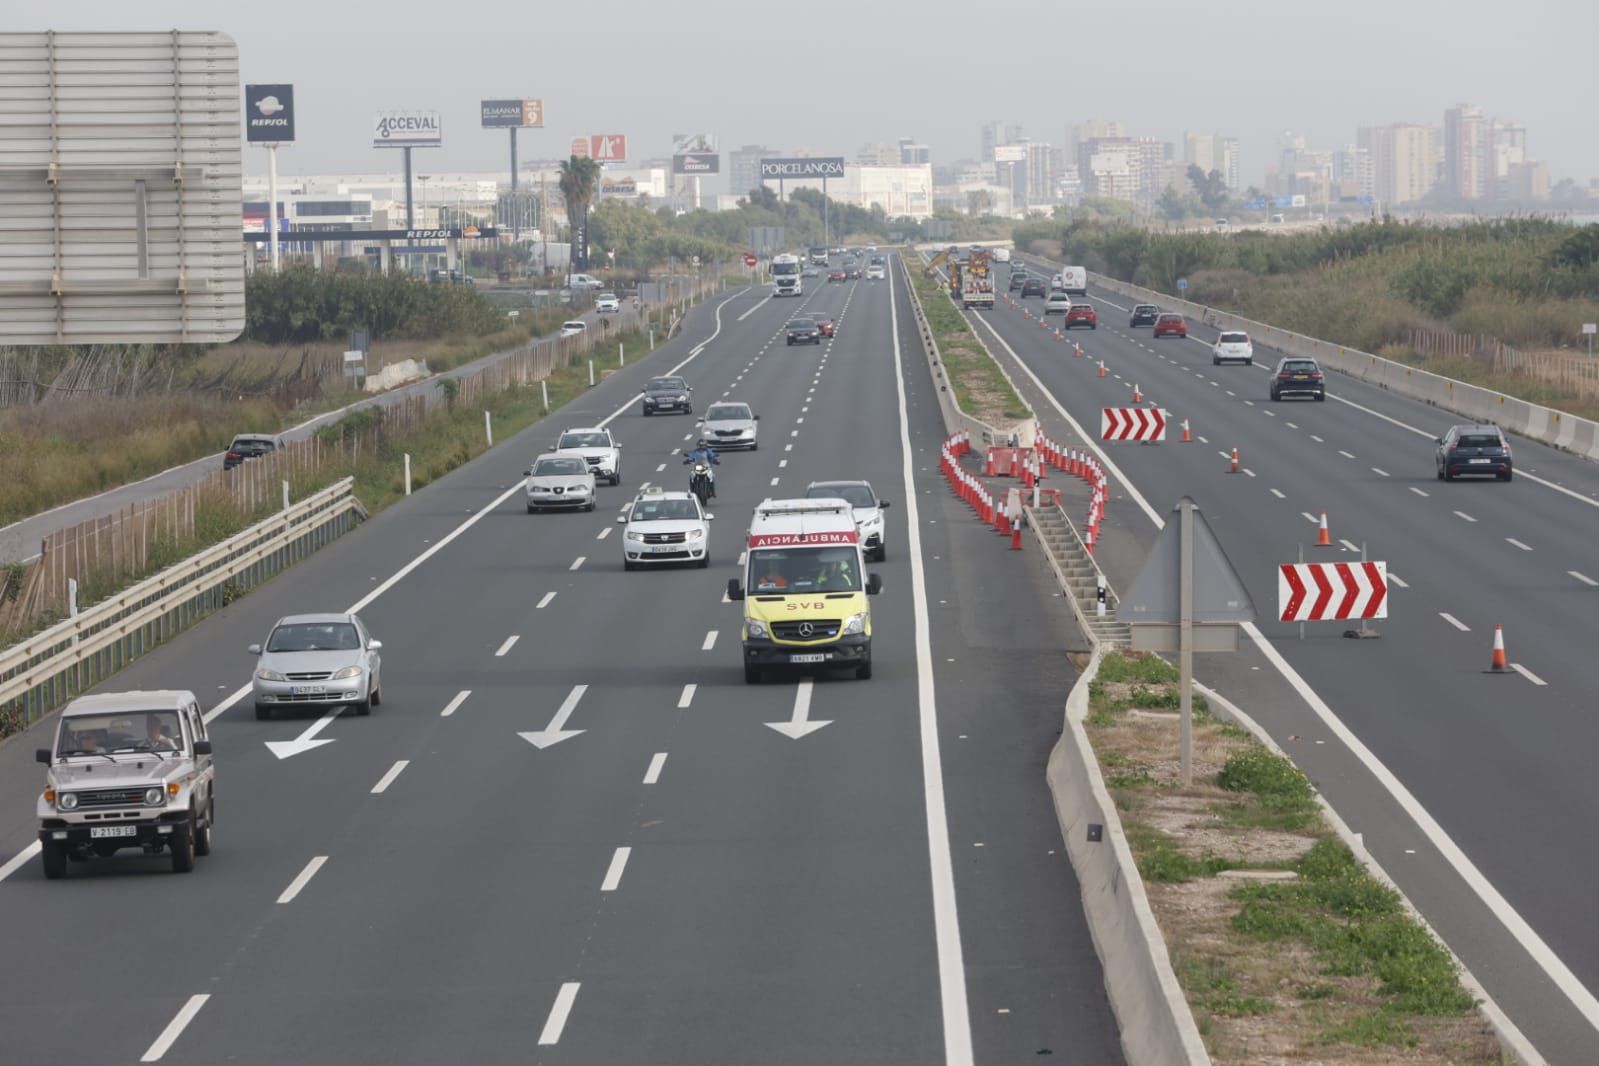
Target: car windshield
x=1082 y=307
x=576 y=326
x=1144 y=309
x=252 y=445
x=1171 y=318
x=584 y=440
x=829 y=569
x=103 y=734
x=728 y=412
x=560 y=468
x=314 y=636
x=785 y=268
x=1300 y=366
x=667 y=385
x=1233 y=338
x=664 y=510
x=606 y=296
x=854 y=495
x=802 y=322
x=1478 y=440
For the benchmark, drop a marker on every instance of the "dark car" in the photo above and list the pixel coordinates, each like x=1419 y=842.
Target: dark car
x=802 y=329
x=1143 y=315
x=1034 y=287
x=1298 y=377
x=249 y=446
x=1473 y=450
x=1170 y=324
x=1018 y=278
x=667 y=394
x=835 y=275
x=824 y=323
x=852 y=273
x=1082 y=315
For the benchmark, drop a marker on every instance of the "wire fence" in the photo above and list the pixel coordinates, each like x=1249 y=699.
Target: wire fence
x=1577 y=374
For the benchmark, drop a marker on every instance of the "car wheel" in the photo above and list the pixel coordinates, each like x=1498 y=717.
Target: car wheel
x=181 y=844
x=364 y=707
x=703 y=561
x=263 y=713
x=1250 y=361
x=1095 y=327
x=1438 y=471
x=1321 y=397
x=1214 y=361
x=1507 y=475
x=202 y=833
x=531 y=509
x=590 y=507
x=377 y=696
x=863 y=672
x=882 y=552
x=53 y=854
x=755 y=445
x=1447 y=475
x=752 y=674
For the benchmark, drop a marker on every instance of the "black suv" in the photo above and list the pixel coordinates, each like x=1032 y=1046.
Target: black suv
x=667 y=394
x=249 y=446
x=802 y=329
x=1298 y=377
x=1034 y=287
x=1143 y=315
x=1473 y=450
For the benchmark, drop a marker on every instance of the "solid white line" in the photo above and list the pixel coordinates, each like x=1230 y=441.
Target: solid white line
x=613 y=876
x=1529 y=675
x=1465 y=516
x=455 y=704
x=1517 y=544
x=175 y=1028
x=653 y=774
x=1585 y=579
x=710 y=641
x=1419 y=492
x=1279 y=495
x=20 y=859
x=303 y=879
x=687 y=697
x=561 y=1008
x=1452 y=620
x=510 y=641
x=544 y=601
x=603 y=533
x=946 y=917
x=388 y=779
x=1395 y=579
x=578 y=562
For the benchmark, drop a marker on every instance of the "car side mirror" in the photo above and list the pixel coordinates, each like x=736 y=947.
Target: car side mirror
x=884 y=503
x=42 y=755
x=757 y=418
x=734 y=591
x=641 y=391
x=202 y=747
x=528 y=472
x=874 y=584
x=374 y=645
x=710 y=518
x=699 y=421
x=254 y=649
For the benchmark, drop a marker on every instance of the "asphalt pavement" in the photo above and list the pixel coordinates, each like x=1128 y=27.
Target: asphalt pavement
x=674 y=882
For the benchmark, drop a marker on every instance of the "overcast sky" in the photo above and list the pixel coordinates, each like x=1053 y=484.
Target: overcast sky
x=827 y=76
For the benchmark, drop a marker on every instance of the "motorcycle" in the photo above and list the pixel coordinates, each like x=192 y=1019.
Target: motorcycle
x=699 y=482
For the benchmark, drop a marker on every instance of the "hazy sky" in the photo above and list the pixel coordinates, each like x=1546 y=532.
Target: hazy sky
x=828 y=76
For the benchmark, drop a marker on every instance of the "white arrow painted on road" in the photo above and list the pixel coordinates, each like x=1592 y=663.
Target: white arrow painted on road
x=307 y=740
x=553 y=733
x=797 y=726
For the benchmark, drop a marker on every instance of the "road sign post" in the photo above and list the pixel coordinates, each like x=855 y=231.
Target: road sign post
x=1589 y=329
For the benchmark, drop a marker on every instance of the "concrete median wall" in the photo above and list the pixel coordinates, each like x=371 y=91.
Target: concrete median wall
x=1533 y=421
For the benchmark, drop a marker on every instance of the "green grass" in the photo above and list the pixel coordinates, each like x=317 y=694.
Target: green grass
x=1160 y=859
x=981 y=388
x=1128 y=667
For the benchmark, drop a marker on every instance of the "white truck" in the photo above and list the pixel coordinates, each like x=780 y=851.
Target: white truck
x=1074 y=280
x=786 y=280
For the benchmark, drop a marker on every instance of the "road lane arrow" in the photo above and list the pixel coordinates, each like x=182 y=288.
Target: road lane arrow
x=307 y=740
x=553 y=734
x=797 y=726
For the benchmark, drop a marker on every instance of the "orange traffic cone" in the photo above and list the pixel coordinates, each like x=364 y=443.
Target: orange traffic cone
x=1233 y=467
x=1102 y=368
x=1077 y=349
x=1138 y=397
x=1187 y=436
x=1323 y=538
x=1059 y=336
x=1500 y=664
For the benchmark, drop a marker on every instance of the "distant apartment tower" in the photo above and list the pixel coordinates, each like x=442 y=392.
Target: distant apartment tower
x=1211 y=153
x=990 y=135
x=1507 y=151
x=1404 y=165
x=1040 y=173
x=1467 y=173
x=1353 y=175
x=744 y=167
x=1135 y=169
x=912 y=154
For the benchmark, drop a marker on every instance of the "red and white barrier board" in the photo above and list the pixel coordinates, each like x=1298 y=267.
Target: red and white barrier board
x=1325 y=592
x=1132 y=423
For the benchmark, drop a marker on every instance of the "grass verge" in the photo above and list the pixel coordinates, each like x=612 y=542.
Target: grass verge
x=1286 y=948
x=981 y=389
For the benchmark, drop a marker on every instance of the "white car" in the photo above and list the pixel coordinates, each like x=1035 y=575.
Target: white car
x=730 y=425
x=1001 y=255
x=583 y=282
x=1057 y=303
x=864 y=504
x=665 y=527
x=607 y=303
x=317 y=660
x=1233 y=347
x=598 y=448
x=556 y=480
x=875 y=273
x=574 y=327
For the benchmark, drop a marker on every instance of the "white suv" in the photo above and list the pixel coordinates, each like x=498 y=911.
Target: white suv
x=665 y=527
x=1233 y=347
x=598 y=447
x=128 y=770
x=607 y=303
x=866 y=506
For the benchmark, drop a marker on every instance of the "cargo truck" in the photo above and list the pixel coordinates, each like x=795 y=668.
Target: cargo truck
x=973 y=282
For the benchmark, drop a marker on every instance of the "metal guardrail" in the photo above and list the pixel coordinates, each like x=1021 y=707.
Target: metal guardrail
x=49 y=668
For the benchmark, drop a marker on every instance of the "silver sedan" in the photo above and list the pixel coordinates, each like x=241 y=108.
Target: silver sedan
x=317 y=660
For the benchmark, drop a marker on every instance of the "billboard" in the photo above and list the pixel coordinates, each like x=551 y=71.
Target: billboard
x=693 y=144
x=1010 y=153
x=406 y=129
x=580 y=147
x=807 y=167
x=608 y=147
x=511 y=114
x=269 y=114
x=696 y=164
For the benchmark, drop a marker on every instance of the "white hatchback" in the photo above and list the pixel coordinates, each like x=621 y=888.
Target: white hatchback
x=1233 y=347
x=574 y=327
x=607 y=303
x=1057 y=303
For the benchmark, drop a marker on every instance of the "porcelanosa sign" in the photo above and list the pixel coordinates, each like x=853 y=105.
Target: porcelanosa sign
x=406 y=129
x=805 y=167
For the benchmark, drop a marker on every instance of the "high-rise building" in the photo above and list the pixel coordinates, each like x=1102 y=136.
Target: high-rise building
x=1352 y=173
x=990 y=135
x=1040 y=173
x=1135 y=169
x=1404 y=161
x=744 y=168
x=1527 y=181
x=912 y=154
x=1211 y=153
x=1467 y=173
x=1507 y=150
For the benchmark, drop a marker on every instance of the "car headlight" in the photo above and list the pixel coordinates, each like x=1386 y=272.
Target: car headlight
x=345 y=674
x=269 y=675
x=696 y=534
x=754 y=627
x=154 y=797
x=578 y=490
x=854 y=624
x=66 y=801
x=635 y=536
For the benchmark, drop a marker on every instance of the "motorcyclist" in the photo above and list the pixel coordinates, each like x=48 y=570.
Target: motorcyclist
x=704 y=453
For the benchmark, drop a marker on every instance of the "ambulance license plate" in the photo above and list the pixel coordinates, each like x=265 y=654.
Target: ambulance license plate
x=813 y=658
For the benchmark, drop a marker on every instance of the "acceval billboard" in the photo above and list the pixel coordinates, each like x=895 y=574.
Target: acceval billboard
x=269 y=114
x=806 y=167
x=512 y=114
x=406 y=129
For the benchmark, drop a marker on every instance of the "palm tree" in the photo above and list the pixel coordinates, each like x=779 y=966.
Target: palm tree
x=580 y=179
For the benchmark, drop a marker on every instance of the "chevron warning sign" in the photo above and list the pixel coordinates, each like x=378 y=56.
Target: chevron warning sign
x=1323 y=592
x=1132 y=423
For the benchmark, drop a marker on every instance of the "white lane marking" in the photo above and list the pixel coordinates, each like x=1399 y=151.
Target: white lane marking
x=1513 y=542
x=788 y=447
x=797 y=421
x=388 y=779
x=1204 y=440
x=1249 y=403
x=1345 y=454
x=1350 y=545
x=563 y=1004
x=1249 y=472
x=710 y=641
x=1291 y=425
x=19 y=860
x=793 y=433
x=1395 y=579
x=657 y=762
x=303 y=879
x=510 y=642
x=1536 y=947
x=1452 y=620
x=1529 y=675
x=1268 y=413
x=175 y=1028
x=688 y=695
x=1584 y=578
x=782 y=463
x=579 y=561
x=1312 y=519
x=1465 y=517
x=1419 y=492
x=946 y=917
x=1279 y=495
x=660 y=468
x=1379 y=472
x=613 y=875
x=1317 y=439
x=544 y=601
x=775 y=480
x=603 y=533
x=455 y=704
